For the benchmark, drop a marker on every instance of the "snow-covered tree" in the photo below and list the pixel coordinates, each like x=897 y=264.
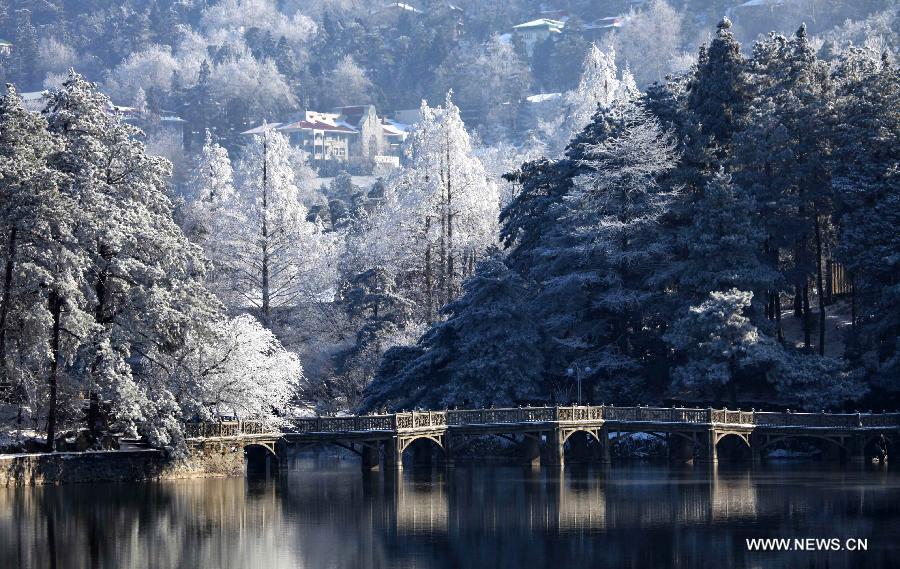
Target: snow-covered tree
x=448 y=207
x=143 y=278
x=347 y=84
x=649 y=41
x=867 y=164
x=600 y=87
x=245 y=372
x=716 y=338
x=383 y=319
x=276 y=258
x=43 y=317
x=486 y=352
x=616 y=206
x=722 y=243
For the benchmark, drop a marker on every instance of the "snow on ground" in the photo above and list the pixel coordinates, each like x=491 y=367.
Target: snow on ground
x=837 y=322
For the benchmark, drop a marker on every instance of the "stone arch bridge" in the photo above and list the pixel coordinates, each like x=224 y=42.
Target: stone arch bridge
x=542 y=432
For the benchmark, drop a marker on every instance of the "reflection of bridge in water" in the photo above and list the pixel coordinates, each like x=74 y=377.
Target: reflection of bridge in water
x=438 y=501
x=544 y=433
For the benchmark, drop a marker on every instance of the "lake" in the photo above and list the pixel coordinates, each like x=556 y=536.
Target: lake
x=327 y=514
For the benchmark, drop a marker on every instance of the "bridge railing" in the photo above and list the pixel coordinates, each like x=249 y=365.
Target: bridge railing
x=358 y=423
x=419 y=420
x=222 y=429
x=501 y=416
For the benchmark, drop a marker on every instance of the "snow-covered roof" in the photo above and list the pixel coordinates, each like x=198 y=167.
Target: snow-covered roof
x=755 y=3
x=393 y=128
x=542 y=97
x=552 y=25
x=317 y=125
x=31 y=95
x=608 y=22
x=403 y=7
x=262 y=128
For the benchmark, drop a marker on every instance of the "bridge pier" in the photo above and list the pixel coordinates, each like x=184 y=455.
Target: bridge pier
x=604 y=446
x=393 y=454
x=448 y=457
x=531 y=449
x=681 y=449
x=370 y=456
x=712 y=452
x=556 y=448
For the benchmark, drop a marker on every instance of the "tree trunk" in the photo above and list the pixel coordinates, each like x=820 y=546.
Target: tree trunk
x=429 y=278
x=450 y=268
x=7 y=297
x=266 y=300
x=779 y=331
x=93 y=417
x=55 y=304
x=807 y=318
x=798 y=301
x=819 y=283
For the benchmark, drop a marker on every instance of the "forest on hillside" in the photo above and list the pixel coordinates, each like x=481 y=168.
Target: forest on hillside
x=713 y=226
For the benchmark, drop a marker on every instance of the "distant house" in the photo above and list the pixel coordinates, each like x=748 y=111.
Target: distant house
x=324 y=136
x=536 y=31
x=370 y=140
x=353 y=134
x=596 y=30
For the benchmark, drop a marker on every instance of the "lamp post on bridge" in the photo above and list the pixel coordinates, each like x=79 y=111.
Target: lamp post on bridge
x=576 y=372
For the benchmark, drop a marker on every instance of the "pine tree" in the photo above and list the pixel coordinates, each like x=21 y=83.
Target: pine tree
x=616 y=206
x=866 y=135
x=486 y=352
x=719 y=91
x=782 y=157
x=144 y=279
x=43 y=267
x=276 y=257
x=448 y=207
x=722 y=243
x=717 y=339
x=383 y=318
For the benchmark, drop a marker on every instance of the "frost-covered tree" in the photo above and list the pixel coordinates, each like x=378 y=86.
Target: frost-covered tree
x=649 y=41
x=245 y=372
x=143 y=278
x=867 y=165
x=276 y=258
x=382 y=318
x=722 y=243
x=486 y=352
x=615 y=207
x=448 y=207
x=716 y=338
x=600 y=87
x=782 y=158
x=43 y=314
x=347 y=84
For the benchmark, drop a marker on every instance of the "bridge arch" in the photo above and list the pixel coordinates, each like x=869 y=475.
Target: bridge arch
x=733 y=446
x=421 y=448
x=260 y=457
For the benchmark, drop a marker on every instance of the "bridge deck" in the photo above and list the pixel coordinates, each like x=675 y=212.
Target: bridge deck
x=390 y=435
x=540 y=419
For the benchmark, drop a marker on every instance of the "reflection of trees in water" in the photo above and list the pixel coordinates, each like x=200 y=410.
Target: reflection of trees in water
x=197 y=523
x=472 y=517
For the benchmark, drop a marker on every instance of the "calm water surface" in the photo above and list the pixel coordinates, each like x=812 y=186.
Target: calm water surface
x=331 y=516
